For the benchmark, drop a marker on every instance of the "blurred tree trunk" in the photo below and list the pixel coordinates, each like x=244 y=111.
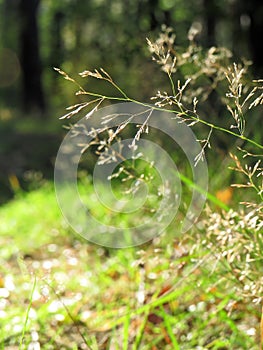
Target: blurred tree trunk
x=56 y=41
x=33 y=96
x=210 y=17
x=255 y=13
x=152 y=7
x=248 y=25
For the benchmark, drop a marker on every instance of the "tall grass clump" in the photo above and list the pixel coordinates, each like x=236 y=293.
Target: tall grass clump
x=215 y=96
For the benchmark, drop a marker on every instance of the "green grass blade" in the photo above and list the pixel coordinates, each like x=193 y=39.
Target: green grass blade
x=126 y=331
x=27 y=314
x=209 y=196
x=169 y=330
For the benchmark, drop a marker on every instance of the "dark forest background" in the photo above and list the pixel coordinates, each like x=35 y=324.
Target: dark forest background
x=37 y=35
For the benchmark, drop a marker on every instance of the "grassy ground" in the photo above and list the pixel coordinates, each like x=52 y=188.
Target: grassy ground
x=58 y=291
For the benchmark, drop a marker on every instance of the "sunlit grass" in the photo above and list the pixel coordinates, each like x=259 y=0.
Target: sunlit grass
x=151 y=297
x=30 y=221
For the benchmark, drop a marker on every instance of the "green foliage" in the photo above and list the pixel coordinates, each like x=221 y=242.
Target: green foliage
x=199 y=292
x=75 y=34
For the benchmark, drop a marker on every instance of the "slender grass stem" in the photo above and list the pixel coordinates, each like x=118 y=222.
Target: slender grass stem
x=172 y=84
x=161 y=109
x=27 y=314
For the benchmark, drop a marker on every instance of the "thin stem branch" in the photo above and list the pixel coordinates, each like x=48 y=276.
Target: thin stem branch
x=27 y=313
x=161 y=109
x=172 y=84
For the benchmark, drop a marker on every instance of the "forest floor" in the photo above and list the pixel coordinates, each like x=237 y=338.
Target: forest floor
x=58 y=291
